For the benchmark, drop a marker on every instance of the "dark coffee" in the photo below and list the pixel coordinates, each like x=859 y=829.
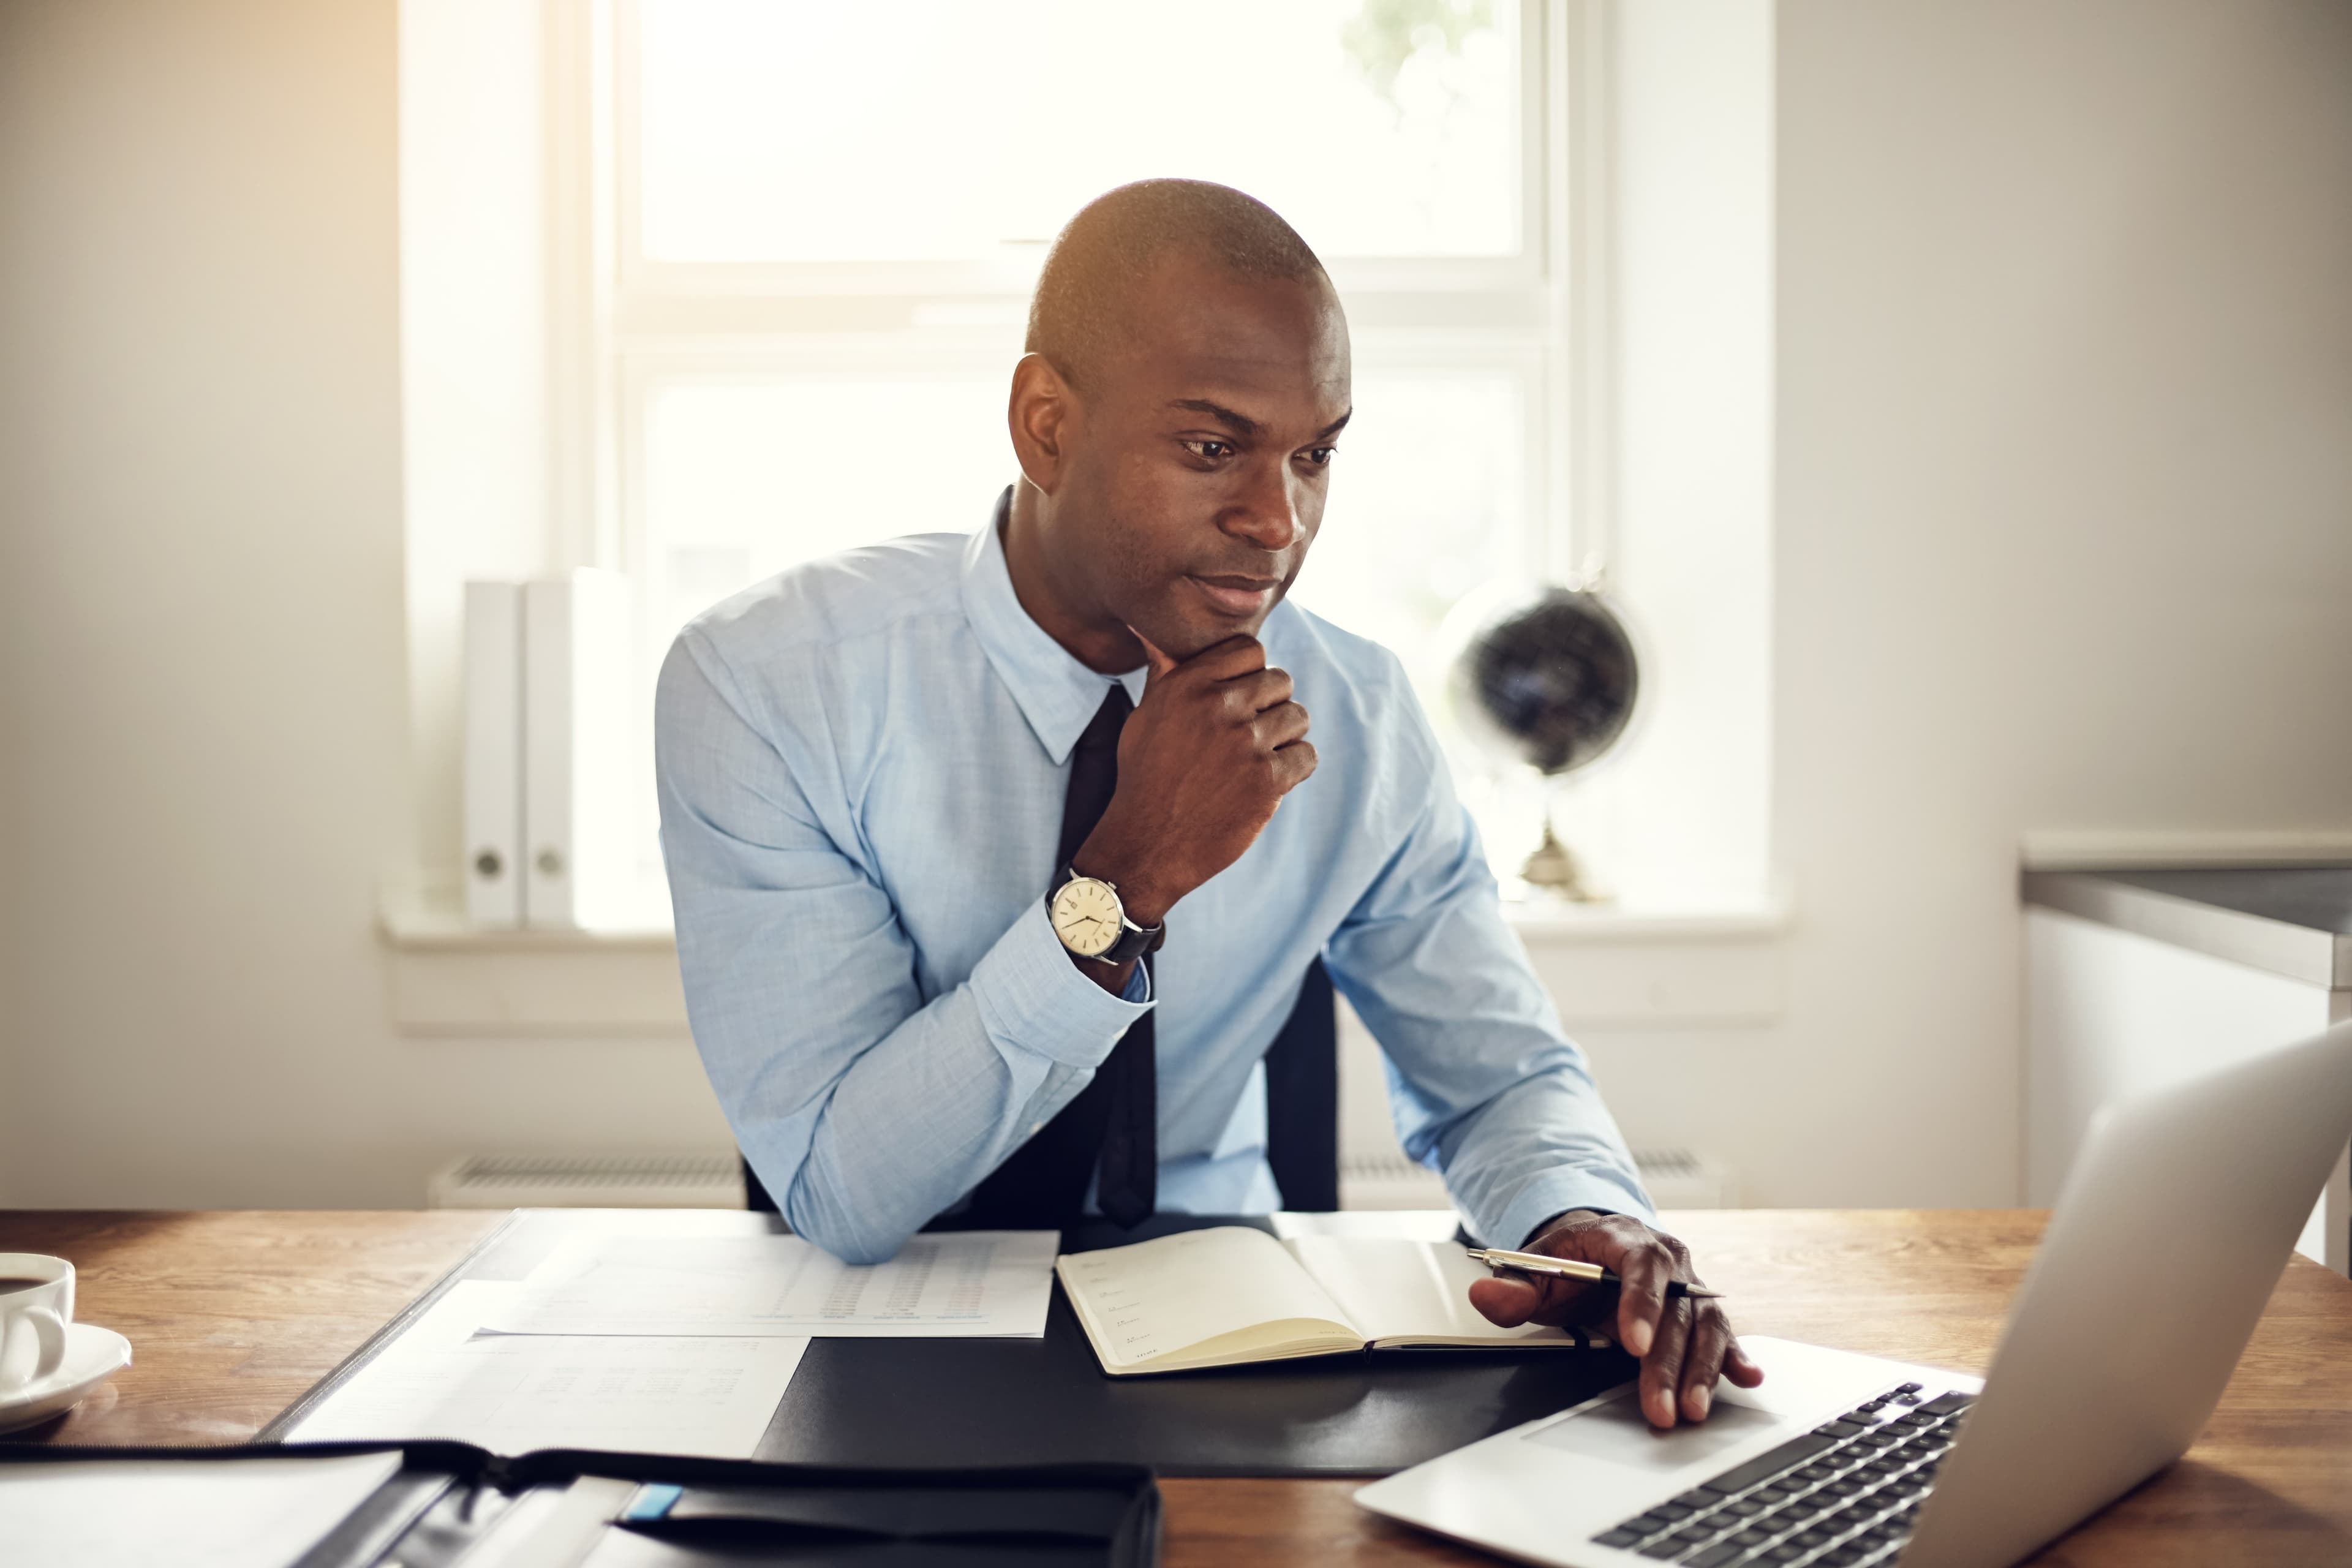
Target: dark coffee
x=8 y=1283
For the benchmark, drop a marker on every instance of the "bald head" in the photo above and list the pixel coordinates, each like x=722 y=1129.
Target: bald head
x=1093 y=274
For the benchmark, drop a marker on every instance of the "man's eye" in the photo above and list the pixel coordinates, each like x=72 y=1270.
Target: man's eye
x=1212 y=450
x=1321 y=455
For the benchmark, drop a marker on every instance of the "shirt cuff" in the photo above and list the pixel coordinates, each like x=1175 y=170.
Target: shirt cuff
x=1032 y=998
x=1557 y=1191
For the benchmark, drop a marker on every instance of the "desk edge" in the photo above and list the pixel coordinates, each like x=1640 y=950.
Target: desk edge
x=392 y=1328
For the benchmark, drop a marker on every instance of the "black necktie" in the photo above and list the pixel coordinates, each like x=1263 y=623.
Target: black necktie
x=1113 y=1124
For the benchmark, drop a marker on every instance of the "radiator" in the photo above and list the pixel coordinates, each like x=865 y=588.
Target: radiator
x=694 y=1181
x=1676 y=1178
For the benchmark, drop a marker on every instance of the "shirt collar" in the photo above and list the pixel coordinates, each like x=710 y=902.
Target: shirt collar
x=1057 y=694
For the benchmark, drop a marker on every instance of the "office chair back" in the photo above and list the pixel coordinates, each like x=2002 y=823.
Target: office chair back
x=1302 y=1105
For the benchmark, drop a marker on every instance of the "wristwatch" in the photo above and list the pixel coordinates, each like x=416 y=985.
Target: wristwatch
x=1092 y=922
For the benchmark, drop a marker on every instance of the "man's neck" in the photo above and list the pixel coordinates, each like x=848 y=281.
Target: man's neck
x=1092 y=636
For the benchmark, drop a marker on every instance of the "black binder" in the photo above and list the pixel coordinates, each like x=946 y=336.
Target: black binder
x=447 y=1498
x=950 y=1403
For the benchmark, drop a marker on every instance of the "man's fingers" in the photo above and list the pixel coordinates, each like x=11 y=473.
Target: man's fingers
x=1685 y=1344
x=1236 y=656
x=1267 y=688
x=1281 y=724
x=1510 y=1299
x=1255 y=692
x=1506 y=1303
x=1293 y=764
x=1641 y=1298
x=1662 y=1367
x=1642 y=1260
x=1710 y=1339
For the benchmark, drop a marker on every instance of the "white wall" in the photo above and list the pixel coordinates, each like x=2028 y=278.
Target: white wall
x=1689 y=280
x=2063 y=536
x=473 y=357
x=205 y=702
x=2064 y=528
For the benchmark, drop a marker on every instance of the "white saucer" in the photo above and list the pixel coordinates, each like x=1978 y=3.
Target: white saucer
x=92 y=1355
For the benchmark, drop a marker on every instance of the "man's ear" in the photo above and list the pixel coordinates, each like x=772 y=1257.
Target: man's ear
x=1041 y=412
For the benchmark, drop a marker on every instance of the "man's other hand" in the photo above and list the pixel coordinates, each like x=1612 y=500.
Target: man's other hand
x=1204 y=759
x=1682 y=1343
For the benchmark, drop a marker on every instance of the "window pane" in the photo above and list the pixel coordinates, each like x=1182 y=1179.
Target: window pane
x=1427 y=502
x=746 y=477
x=795 y=131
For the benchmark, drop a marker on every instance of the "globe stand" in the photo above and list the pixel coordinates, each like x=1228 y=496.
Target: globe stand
x=1554 y=867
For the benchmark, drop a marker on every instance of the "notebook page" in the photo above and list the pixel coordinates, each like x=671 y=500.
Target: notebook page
x=1156 y=1298
x=1415 y=1292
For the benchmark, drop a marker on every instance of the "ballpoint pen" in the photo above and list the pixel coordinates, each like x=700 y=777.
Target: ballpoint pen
x=1569 y=1269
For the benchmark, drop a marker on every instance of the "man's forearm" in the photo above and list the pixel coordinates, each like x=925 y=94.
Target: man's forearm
x=915 y=1124
x=881 y=1138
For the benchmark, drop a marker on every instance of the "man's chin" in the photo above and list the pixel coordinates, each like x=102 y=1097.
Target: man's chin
x=1191 y=638
x=1181 y=630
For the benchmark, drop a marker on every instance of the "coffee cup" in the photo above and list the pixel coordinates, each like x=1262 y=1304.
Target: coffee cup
x=36 y=1299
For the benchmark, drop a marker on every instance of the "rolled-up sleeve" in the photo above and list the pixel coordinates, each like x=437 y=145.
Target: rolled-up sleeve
x=864 y=1110
x=1486 y=1087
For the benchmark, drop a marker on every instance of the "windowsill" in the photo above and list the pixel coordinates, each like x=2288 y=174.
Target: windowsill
x=407 y=924
x=1609 y=966
x=412 y=925
x=1546 y=923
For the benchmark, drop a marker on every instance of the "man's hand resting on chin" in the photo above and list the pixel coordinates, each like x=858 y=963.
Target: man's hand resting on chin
x=1682 y=1343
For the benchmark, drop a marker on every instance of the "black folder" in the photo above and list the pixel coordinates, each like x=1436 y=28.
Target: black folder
x=952 y=1402
x=447 y=1498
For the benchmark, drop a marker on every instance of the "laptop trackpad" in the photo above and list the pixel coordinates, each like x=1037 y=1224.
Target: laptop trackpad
x=1618 y=1433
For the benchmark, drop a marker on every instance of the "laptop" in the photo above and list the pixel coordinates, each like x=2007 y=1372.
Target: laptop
x=2178 y=1215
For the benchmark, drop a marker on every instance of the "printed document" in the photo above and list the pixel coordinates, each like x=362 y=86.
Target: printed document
x=511 y=1393
x=953 y=1284
x=131 y=1513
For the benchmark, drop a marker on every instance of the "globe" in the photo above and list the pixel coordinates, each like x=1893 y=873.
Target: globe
x=1545 y=677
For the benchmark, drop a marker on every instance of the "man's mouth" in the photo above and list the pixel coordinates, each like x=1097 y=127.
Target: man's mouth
x=1237 y=596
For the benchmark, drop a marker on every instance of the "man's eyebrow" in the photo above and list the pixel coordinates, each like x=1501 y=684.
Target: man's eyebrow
x=1241 y=423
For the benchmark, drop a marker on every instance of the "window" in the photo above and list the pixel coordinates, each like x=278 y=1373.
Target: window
x=825 y=220
x=792 y=244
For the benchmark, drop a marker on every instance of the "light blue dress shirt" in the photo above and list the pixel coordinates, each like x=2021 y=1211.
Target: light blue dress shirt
x=862 y=764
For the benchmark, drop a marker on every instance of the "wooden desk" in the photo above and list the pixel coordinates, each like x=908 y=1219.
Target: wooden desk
x=233 y=1315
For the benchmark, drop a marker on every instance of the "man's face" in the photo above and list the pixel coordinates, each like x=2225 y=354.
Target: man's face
x=1200 y=453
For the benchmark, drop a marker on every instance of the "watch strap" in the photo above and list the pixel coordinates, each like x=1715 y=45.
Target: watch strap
x=1133 y=942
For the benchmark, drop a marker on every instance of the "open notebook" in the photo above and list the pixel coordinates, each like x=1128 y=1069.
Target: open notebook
x=1229 y=1295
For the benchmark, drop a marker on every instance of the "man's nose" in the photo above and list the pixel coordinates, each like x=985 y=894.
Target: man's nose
x=1266 y=513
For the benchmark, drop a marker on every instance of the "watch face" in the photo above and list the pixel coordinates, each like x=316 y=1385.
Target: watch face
x=1087 y=916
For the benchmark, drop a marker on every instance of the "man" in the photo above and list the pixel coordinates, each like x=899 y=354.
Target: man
x=965 y=939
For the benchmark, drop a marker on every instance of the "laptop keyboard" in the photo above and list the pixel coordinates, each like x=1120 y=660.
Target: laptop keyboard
x=1844 y=1494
